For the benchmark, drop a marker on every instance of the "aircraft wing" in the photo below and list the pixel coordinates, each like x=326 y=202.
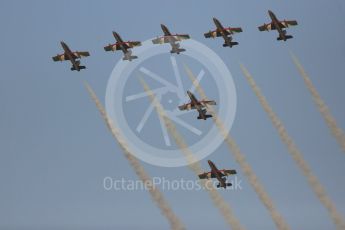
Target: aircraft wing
x=286 y=24
x=217 y=33
x=60 y=57
x=234 y=30
x=208 y=103
x=117 y=46
x=206 y=175
x=212 y=34
x=224 y=172
x=167 y=39
x=186 y=107
x=159 y=40
x=79 y=54
x=267 y=27
x=228 y=172
x=112 y=47
x=181 y=37
x=134 y=44
x=282 y=24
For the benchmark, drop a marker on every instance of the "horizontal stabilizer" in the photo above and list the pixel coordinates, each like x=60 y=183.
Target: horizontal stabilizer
x=80 y=67
x=177 y=51
x=130 y=58
x=231 y=44
x=205 y=116
x=284 y=38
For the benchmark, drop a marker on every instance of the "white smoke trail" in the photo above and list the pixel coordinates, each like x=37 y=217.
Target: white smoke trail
x=246 y=168
x=336 y=131
x=296 y=154
x=155 y=193
x=218 y=201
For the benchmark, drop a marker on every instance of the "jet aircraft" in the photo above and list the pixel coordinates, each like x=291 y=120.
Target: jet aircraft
x=279 y=26
x=226 y=33
x=124 y=46
x=71 y=56
x=219 y=174
x=173 y=39
x=200 y=106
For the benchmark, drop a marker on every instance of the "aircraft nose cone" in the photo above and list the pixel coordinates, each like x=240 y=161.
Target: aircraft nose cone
x=215 y=20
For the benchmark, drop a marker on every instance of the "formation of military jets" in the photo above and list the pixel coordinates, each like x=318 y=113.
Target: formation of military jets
x=279 y=26
x=173 y=39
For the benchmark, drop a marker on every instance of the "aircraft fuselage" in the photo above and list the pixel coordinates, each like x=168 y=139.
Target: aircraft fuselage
x=70 y=55
x=121 y=43
x=165 y=30
x=170 y=37
x=276 y=24
x=222 y=31
x=220 y=28
x=196 y=104
x=215 y=171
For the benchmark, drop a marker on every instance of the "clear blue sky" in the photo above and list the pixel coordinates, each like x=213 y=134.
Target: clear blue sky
x=55 y=149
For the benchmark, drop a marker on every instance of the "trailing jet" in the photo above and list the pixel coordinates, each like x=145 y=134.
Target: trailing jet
x=72 y=57
x=279 y=26
x=219 y=174
x=124 y=46
x=198 y=105
x=226 y=33
x=172 y=39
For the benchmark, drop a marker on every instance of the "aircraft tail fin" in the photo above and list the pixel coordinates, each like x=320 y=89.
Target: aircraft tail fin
x=203 y=115
x=79 y=67
x=284 y=36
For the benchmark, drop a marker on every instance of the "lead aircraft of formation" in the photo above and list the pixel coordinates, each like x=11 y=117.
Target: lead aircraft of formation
x=279 y=26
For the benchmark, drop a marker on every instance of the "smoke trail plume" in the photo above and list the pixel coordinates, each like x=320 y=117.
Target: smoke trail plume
x=155 y=193
x=296 y=154
x=246 y=168
x=336 y=131
x=194 y=165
